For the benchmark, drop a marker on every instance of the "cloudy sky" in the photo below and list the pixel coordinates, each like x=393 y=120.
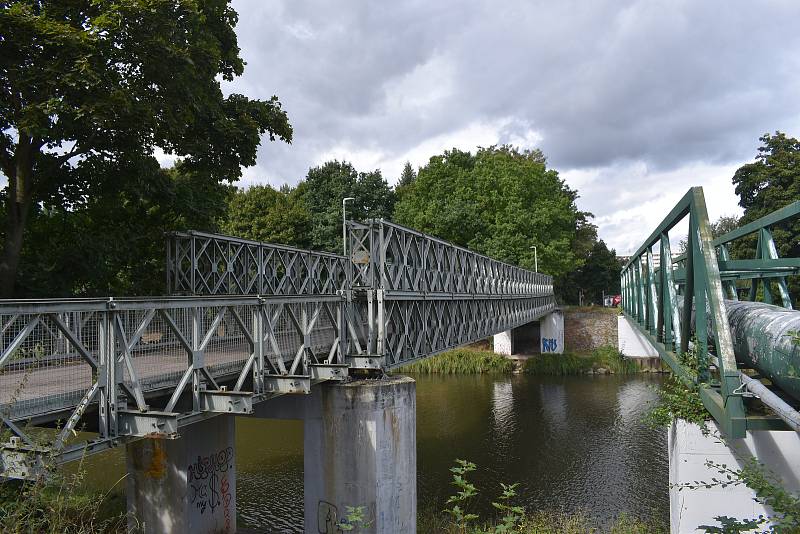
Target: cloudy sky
x=632 y=101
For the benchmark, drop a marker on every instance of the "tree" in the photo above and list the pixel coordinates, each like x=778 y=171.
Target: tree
x=88 y=91
x=263 y=213
x=724 y=224
x=113 y=244
x=500 y=202
x=600 y=274
x=407 y=177
x=770 y=183
x=325 y=187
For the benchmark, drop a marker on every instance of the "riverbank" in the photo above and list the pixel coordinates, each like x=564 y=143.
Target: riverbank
x=602 y=360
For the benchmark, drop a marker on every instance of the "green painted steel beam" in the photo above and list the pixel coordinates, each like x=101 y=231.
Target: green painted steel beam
x=732 y=426
x=786 y=213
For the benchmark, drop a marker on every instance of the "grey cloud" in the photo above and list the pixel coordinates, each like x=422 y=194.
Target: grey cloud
x=601 y=82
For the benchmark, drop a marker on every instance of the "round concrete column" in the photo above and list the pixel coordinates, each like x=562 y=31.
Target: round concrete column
x=361 y=451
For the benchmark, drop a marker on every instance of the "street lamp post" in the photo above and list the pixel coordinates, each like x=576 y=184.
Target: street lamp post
x=535 y=259
x=344 y=224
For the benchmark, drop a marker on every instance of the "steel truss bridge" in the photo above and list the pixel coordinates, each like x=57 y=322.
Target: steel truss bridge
x=245 y=322
x=739 y=355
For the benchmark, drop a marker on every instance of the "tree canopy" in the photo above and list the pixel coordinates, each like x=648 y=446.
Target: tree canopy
x=89 y=90
x=769 y=183
x=325 y=187
x=499 y=201
x=263 y=213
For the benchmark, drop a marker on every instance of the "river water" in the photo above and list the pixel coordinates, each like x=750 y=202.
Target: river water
x=575 y=444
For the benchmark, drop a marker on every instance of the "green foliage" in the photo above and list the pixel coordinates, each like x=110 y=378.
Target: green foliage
x=511 y=515
x=323 y=191
x=598 y=275
x=58 y=504
x=607 y=358
x=461 y=361
x=512 y=518
x=499 y=202
x=769 y=491
x=263 y=213
x=355 y=518
x=676 y=400
x=770 y=183
x=89 y=90
x=113 y=244
x=465 y=492
x=724 y=224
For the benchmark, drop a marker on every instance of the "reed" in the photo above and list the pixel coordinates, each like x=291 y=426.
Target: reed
x=461 y=361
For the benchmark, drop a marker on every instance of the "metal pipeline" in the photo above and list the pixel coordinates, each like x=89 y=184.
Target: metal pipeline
x=778 y=405
x=762 y=340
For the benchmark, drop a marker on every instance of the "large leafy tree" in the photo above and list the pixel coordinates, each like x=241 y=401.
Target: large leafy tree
x=323 y=191
x=89 y=90
x=500 y=201
x=113 y=244
x=266 y=214
x=598 y=276
x=769 y=183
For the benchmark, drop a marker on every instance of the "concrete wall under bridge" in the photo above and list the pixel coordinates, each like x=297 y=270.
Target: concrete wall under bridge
x=543 y=336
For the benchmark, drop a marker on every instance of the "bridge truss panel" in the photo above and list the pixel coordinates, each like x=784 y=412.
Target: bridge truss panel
x=200 y=263
x=113 y=367
x=680 y=306
x=429 y=295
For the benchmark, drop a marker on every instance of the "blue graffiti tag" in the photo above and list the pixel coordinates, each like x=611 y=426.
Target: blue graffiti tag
x=549 y=345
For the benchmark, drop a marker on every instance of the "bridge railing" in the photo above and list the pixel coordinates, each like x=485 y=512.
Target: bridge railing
x=681 y=304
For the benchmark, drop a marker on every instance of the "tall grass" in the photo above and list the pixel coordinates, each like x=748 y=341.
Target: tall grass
x=461 y=361
x=607 y=358
x=549 y=523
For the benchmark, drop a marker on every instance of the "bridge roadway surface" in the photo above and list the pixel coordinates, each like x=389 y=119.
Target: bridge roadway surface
x=126 y=368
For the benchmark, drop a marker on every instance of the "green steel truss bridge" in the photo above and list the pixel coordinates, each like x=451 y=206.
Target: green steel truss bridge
x=725 y=326
x=245 y=322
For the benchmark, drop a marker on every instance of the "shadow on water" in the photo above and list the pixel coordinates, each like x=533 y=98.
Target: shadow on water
x=573 y=443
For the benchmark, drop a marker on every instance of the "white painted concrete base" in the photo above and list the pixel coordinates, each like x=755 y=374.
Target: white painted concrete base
x=503 y=343
x=631 y=342
x=689 y=450
x=552 y=333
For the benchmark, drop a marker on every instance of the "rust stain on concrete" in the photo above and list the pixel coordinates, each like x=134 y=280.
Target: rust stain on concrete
x=157 y=467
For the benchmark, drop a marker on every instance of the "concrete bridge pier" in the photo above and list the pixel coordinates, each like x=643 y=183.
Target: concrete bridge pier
x=185 y=485
x=360 y=450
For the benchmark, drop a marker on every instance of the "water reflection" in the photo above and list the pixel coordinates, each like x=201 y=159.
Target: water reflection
x=573 y=444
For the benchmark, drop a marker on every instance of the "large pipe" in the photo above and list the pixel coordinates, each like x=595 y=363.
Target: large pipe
x=762 y=340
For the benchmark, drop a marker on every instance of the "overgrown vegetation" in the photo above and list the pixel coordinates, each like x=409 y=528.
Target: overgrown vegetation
x=461 y=361
x=58 y=504
x=603 y=359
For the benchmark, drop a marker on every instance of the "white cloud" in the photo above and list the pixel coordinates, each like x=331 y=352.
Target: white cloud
x=630 y=200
